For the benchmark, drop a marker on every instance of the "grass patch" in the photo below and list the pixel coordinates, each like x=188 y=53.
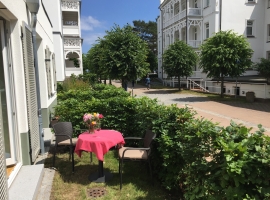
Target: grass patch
x=136 y=179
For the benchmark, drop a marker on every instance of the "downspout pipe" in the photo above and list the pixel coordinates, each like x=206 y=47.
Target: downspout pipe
x=186 y=22
x=161 y=27
x=220 y=14
x=33 y=6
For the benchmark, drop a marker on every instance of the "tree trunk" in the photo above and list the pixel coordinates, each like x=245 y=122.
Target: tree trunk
x=222 y=85
x=179 y=86
x=110 y=81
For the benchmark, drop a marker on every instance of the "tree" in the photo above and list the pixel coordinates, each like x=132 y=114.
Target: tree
x=124 y=54
x=148 y=32
x=95 y=61
x=179 y=60
x=225 y=54
x=263 y=68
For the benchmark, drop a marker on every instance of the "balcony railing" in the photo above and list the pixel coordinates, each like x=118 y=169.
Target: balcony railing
x=70 y=23
x=194 y=43
x=70 y=5
x=72 y=42
x=194 y=12
x=181 y=15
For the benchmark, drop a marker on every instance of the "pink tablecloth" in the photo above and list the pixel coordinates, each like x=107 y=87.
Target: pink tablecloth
x=99 y=142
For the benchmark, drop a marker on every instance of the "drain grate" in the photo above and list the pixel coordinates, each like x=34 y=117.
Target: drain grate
x=96 y=192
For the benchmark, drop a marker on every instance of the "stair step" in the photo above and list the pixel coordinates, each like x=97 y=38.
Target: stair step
x=27 y=183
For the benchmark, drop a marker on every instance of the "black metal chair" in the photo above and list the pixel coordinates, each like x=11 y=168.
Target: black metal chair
x=63 y=132
x=136 y=153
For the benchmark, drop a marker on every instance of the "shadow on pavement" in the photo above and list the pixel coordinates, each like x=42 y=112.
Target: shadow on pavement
x=191 y=99
x=258 y=106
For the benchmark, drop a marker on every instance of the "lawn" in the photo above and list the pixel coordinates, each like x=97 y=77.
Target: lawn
x=136 y=179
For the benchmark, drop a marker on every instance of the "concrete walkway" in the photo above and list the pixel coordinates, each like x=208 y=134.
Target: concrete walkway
x=249 y=114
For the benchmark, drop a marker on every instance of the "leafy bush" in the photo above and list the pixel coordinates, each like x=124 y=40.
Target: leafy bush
x=192 y=156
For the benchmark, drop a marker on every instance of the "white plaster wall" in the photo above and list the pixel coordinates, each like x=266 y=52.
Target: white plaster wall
x=18 y=9
x=245 y=11
x=59 y=57
x=267 y=21
x=70 y=31
x=44 y=31
x=53 y=8
x=261 y=90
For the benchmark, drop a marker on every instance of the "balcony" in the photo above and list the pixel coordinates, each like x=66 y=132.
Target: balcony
x=181 y=15
x=70 y=23
x=195 y=43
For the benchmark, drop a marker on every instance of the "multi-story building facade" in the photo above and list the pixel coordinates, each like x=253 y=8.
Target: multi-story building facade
x=196 y=20
x=65 y=15
x=27 y=83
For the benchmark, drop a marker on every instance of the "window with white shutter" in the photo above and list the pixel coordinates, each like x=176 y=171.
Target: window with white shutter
x=31 y=93
x=48 y=71
x=54 y=72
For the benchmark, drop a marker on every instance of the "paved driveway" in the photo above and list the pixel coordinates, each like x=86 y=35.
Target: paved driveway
x=249 y=114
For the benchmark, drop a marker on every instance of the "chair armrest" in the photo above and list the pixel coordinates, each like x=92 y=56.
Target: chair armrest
x=133 y=138
x=63 y=135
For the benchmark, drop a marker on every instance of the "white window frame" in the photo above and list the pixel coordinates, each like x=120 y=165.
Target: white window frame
x=207 y=31
x=253 y=26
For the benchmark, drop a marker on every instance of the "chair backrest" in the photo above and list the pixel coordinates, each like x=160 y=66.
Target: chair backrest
x=148 y=138
x=62 y=128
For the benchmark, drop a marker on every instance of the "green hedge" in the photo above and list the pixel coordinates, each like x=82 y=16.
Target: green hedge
x=191 y=156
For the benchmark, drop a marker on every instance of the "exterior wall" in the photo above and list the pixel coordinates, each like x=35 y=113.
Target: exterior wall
x=16 y=14
x=234 y=16
x=47 y=113
x=266 y=29
x=55 y=14
x=245 y=11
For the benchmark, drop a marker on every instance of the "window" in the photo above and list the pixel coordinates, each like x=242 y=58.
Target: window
x=196 y=3
x=207 y=3
x=195 y=33
x=251 y=1
x=268 y=3
x=206 y=30
x=250 y=28
x=183 y=5
x=268 y=55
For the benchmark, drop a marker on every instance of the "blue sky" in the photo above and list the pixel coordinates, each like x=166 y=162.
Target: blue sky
x=97 y=16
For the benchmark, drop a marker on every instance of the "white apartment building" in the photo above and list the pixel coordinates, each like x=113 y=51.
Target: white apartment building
x=65 y=17
x=27 y=85
x=196 y=20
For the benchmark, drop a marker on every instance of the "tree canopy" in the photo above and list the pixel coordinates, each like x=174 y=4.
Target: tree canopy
x=121 y=54
x=179 y=60
x=148 y=32
x=263 y=68
x=225 y=54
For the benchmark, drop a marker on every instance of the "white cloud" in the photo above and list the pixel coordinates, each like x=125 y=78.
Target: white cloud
x=89 y=23
x=91 y=38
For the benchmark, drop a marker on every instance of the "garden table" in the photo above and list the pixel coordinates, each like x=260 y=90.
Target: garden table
x=100 y=143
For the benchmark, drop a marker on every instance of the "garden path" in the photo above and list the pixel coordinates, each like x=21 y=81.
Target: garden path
x=249 y=114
